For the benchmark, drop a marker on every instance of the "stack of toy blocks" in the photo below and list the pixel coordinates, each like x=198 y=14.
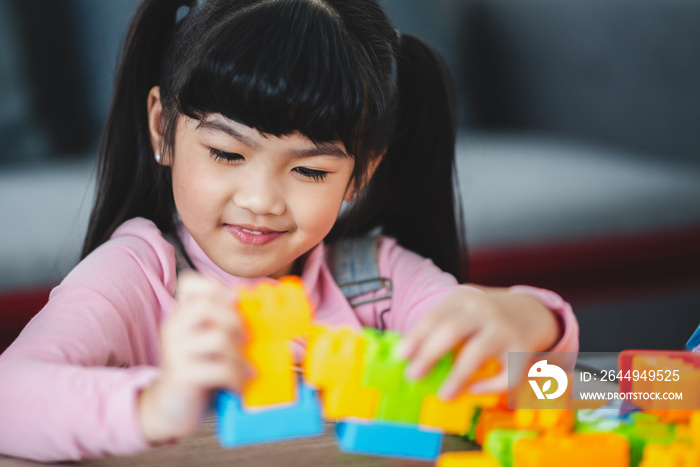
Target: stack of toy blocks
x=274 y=403
x=358 y=380
x=363 y=386
x=645 y=433
x=359 y=377
x=669 y=434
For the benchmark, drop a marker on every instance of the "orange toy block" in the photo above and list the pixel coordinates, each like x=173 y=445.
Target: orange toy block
x=280 y=311
x=547 y=420
x=455 y=416
x=491 y=419
x=334 y=363
x=672 y=455
x=573 y=450
x=656 y=375
x=466 y=459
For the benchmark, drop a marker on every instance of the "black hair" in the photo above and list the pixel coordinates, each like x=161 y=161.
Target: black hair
x=332 y=70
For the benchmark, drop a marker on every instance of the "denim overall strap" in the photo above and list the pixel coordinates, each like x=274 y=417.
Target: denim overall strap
x=356 y=270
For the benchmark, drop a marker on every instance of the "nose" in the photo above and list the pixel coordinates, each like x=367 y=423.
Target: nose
x=260 y=195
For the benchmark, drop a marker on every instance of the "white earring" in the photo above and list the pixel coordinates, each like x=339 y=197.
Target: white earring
x=158 y=158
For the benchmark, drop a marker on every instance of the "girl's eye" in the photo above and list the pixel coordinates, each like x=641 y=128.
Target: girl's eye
x=315 y=175
x=220 y=155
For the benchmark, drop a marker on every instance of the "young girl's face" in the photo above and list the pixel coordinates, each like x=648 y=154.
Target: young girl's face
x=254 y=202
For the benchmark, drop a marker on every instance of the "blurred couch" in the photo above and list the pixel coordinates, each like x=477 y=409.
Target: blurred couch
x=578 y=160
x=580 y=166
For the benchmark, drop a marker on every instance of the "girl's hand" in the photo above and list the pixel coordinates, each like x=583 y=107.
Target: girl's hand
x=485 y=325
x=200 y=352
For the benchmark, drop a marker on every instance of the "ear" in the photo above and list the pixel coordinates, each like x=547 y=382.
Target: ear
x=351 y=192
x=155 y=123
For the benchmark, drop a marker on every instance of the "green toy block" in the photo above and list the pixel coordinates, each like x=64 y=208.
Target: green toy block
x=432 y=381
x=384 y=367
x=385 y=370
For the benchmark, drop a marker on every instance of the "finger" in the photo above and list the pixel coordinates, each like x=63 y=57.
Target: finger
x=509 y=377
x=496 y=384
x=193 y=286
x=472 y=355
x=410 y=342
x=205 y=313
x=210 y=342
x=439 y=341
x=213 y=374
x=463 y=300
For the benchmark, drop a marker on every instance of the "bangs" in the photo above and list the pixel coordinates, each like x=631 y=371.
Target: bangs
x=285 y=66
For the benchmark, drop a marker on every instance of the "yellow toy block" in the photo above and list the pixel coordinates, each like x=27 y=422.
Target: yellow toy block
x=334 y=363
x=694 y=427
x=573 y=450
x=466 y=459
x=273 y=315
x=331 y=354
x=352 y=401
x=454 y=417
x=671 y=455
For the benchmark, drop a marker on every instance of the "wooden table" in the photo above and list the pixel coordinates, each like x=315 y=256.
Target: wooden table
x=203 y=450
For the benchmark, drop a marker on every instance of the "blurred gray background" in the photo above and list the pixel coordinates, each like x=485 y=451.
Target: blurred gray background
x=578 y=124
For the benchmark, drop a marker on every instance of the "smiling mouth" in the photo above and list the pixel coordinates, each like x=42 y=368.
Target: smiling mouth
x=254 y=232
x=253 y=236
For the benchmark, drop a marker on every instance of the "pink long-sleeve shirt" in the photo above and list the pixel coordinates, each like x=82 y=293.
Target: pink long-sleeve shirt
x=69 y=384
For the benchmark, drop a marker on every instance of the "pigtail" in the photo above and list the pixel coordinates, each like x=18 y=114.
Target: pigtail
x=412 y=194
x=129 y=181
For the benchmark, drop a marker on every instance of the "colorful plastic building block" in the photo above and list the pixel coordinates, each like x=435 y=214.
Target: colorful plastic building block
x=273 y=315
x=501 y=444
x=492 y=419
x=670 y=376
x=456 y=416
x=384 y=438
x=466 y=459
x=642 y=429
x=573 y=450
x=671 y=455
x=335 y=364
x=545 y=420
x=624 y=361
x=694 y=340
x=238 y=426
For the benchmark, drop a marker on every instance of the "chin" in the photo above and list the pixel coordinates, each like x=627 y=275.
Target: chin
x=251 y=273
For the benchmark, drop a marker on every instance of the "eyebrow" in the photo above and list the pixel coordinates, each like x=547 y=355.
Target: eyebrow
x=320 y=149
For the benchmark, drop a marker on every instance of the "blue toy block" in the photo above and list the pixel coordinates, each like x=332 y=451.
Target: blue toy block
x=381 y=438
x=238 y=426
x=694 y=340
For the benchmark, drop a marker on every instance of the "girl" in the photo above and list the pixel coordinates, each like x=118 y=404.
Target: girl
x=237 y=133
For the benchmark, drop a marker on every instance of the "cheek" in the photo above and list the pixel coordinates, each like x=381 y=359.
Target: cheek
x=194 y=190
x=318 y=211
